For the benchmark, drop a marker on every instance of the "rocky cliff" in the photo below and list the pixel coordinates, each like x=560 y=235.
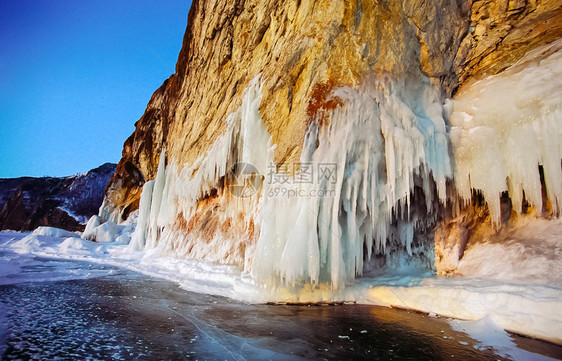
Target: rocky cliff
x=27 y=203
x=305 y=69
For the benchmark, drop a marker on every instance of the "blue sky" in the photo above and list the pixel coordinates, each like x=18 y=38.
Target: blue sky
x=76 y=75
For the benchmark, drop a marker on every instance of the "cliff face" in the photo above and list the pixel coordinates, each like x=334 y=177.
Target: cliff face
x=303 y=46
x=27 y=203
x=305 y=52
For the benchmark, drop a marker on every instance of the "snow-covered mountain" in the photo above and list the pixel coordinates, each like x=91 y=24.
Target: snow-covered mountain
x=66 y=202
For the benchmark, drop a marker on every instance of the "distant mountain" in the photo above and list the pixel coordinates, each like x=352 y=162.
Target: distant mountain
x=67 y=202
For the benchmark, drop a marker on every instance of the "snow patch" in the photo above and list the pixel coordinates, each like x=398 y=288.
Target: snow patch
x=73 y=244
x=531 y=252
x=52 y=232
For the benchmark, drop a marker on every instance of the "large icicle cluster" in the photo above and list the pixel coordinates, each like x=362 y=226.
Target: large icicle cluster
x=321 y=234
x=176 y=191
x=505 y=126
x=380 y=141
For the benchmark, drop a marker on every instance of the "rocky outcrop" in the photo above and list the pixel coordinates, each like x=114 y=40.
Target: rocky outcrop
x=501 y=32
x=27 y=203
x=380 y=67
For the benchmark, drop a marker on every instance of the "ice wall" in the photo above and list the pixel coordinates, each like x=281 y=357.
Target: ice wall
x=388 y=139
x=505 y=126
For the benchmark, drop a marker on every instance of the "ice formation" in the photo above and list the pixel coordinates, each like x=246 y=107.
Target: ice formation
x=93 y=222
x=107 y=232
x=529 y=251
x=505 y=127
x=174 y=195
x=315 y=238
x=139 y=237
x=323 y=239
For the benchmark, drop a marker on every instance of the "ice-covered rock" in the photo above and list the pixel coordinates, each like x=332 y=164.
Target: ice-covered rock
x=108 y=232
x=93 y=222
x=72 y=244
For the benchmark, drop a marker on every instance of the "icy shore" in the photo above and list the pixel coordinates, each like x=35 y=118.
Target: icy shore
x=528 y=306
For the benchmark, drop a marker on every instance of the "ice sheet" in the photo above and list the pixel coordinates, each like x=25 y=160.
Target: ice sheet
x=524 y=306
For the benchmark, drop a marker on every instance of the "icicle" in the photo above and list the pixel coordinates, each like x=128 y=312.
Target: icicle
x=504 y=127
x=169 y=203
x=364 y=200
x=155 y=205
x=139 y=236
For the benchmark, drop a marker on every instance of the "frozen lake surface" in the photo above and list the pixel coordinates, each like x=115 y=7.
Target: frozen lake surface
x=59 y=309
